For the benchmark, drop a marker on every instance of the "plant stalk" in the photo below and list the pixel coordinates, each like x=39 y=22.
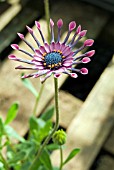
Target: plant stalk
x=61 y=158
x=47 y=16
x=35 y=161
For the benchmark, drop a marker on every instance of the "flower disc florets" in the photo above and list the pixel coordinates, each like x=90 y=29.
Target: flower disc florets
x=53 y=60
x=57 y=57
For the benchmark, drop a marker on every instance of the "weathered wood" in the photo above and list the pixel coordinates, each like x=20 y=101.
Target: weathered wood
x=9 y=14
x=105 y=163
x=89 y=129
x=14 y=20
x=109 y=144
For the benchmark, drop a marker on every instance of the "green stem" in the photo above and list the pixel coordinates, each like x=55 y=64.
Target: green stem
x=37 y=100
x=34 y=163
x=4 y=162
x=61 y=158
x=47 y=16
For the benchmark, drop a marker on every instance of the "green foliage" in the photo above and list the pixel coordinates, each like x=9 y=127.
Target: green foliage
x=45 y=159
x=11 y=133
x=39 y=128
x=73 y=153
x=12 y=113
x=1 y=127
x=52 y=146
x=56 y=168
x=48 y=114
x=1 y=166
x=21 y=154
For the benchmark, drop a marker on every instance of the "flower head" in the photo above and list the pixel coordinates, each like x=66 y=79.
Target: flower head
x=59 y=137
x=57 y=57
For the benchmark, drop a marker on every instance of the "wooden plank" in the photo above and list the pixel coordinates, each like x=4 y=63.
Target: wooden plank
x=105 y=162
x=109 y=144
x=8 y=34
x=9 y=14
x=90 y=128
x=11 y=88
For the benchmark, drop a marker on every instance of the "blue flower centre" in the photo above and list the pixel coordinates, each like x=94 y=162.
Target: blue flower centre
x=53 y=59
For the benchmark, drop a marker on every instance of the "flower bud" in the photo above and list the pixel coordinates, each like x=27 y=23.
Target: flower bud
x=59 y=137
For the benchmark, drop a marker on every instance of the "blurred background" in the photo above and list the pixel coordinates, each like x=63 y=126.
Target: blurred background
x=92 y=95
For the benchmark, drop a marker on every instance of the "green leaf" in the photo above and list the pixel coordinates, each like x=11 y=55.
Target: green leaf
x=37 y=165
x=73 y=153
x=25 y=166
x=52 y=147
x=1 y=166
x=1 y=127
x=12 y=133
x=45 y=159
x=41 y=123
x=48 y=114
x=46 y=129
x=33 y=123
x=27 y=83
x=56 y=168
x=12 y=113
x=17 y=157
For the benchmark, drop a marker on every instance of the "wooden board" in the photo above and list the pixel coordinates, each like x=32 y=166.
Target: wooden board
x=9 y=14
x=109 y=144
x=14 y=20
x=90 y=128
x=105 y=162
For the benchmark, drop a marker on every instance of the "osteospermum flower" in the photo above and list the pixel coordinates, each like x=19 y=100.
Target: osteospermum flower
x=57 y=57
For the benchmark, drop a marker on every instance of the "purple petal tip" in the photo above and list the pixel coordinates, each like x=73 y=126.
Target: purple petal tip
x=25 y=76
x=15 y=46
x=60 y=23
x=84 y=71
x=21 y=35
x=74 y=75
x=90 y=53
x=86 y=60
x=88 y=42
x=72 y=25
x=19 y=67
x=37 y=24
x=78 y=29
x=51 y=22
x=12 y=57
x=30 y=30
x=82 y=33
x=57 y=75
